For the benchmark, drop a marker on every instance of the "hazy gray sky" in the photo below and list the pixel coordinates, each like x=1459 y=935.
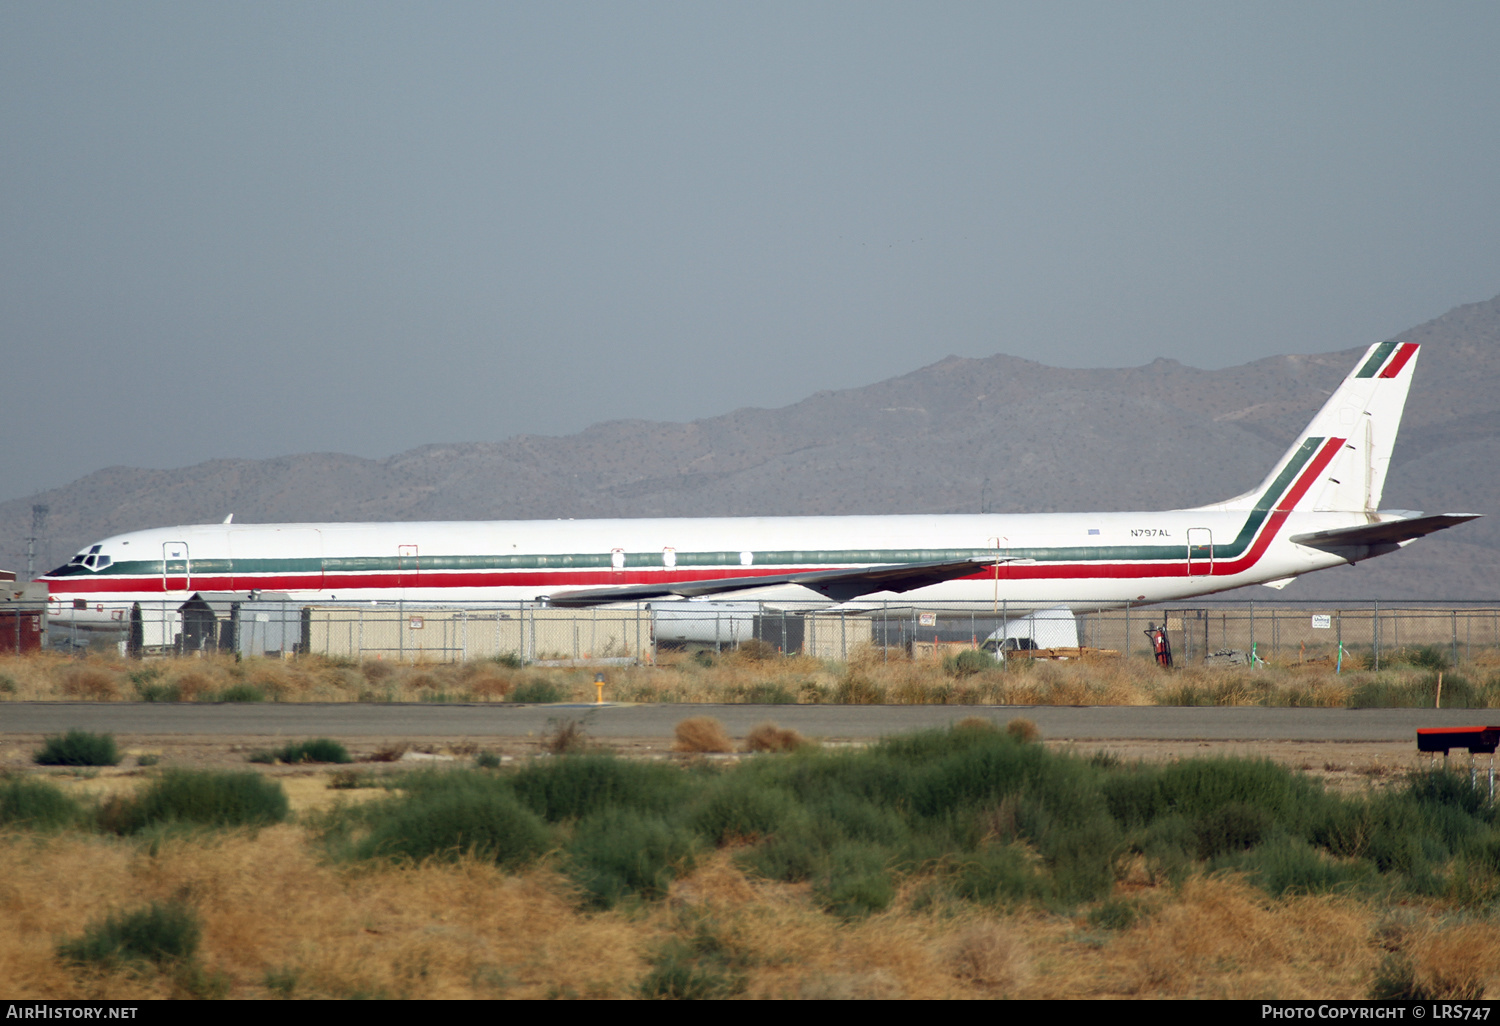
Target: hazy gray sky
x=248 y=229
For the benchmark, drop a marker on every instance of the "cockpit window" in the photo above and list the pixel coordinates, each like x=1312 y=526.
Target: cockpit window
x=104 y=561
x=89 y=561
x=76 y=560
x=94 y=549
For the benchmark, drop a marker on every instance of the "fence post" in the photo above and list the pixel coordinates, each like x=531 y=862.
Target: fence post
x=1377 y=635
x=1454 y=614
x=1252 y=634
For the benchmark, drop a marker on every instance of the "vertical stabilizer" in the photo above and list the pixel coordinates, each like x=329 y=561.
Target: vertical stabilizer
x=1339 y=462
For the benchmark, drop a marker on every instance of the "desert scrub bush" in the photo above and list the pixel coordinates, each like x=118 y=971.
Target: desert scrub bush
x=537 y=692
x=853 y=881
x=702 y=734
x=1386 y=693
x=241 y=692
x=738 y=807
x=1290 y=866
x=968 y=663
x=163 y=933
x=451 y=822
x=768 y=737
x=198 y=798
x=149 y=689
x=36 y=805
x=78 y=748
x=623 y=853
x=705 y=965
x=858 y=689
x=318 y=750
x=570 y=788
x=1000 y=876
x=762 y=693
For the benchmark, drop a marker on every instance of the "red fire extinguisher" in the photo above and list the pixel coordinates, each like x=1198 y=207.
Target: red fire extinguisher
x=1161 y=647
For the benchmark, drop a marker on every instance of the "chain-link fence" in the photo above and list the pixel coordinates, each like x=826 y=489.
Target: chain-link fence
x=1370 y=633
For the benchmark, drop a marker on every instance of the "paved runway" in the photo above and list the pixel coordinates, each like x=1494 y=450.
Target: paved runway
x=1155 y=723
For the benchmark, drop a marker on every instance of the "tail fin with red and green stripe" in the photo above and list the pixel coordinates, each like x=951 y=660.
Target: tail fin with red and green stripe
x=1340 y=461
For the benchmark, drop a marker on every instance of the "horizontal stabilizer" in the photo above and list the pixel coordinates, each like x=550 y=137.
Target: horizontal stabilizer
x=839 y=585
x=1387 y=535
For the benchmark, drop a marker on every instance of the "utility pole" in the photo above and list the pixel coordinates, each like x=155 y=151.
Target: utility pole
x=39 y=513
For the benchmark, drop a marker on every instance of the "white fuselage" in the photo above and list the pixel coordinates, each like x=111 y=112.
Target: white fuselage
x=1086 y=560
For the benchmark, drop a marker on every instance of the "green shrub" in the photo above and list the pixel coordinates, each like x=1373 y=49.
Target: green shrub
x=507 y=659
x=1116 y=914
x=202 y=798
x=969 y=662
x=78 y=748
x=559 y=789
x=765 y=693
x=1458 y=693
x=164 y=932
x=35 y=804
x=319 y=750
x=703 y=966
x=738 y=807
x=1426 y=657
x=854 y=881
x=1287 y=866
x=483 y=822
x=620 y=853
x=999 y=876
x=1230 y=828
x=487 y=760
x=677 y=974
x=241 y=693
x=159 y=692
x=537 y=692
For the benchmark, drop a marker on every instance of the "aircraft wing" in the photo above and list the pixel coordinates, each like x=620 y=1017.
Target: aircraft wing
x=1381 y=537
x=839 y=585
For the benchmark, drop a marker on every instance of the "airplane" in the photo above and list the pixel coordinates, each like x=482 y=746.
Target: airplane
x=1317 y=508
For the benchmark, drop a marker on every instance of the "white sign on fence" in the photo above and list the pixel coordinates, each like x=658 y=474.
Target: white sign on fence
x=1322 y=621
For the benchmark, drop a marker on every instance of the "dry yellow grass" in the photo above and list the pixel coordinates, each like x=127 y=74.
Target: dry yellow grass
x=870 y=676
x=277 y=917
